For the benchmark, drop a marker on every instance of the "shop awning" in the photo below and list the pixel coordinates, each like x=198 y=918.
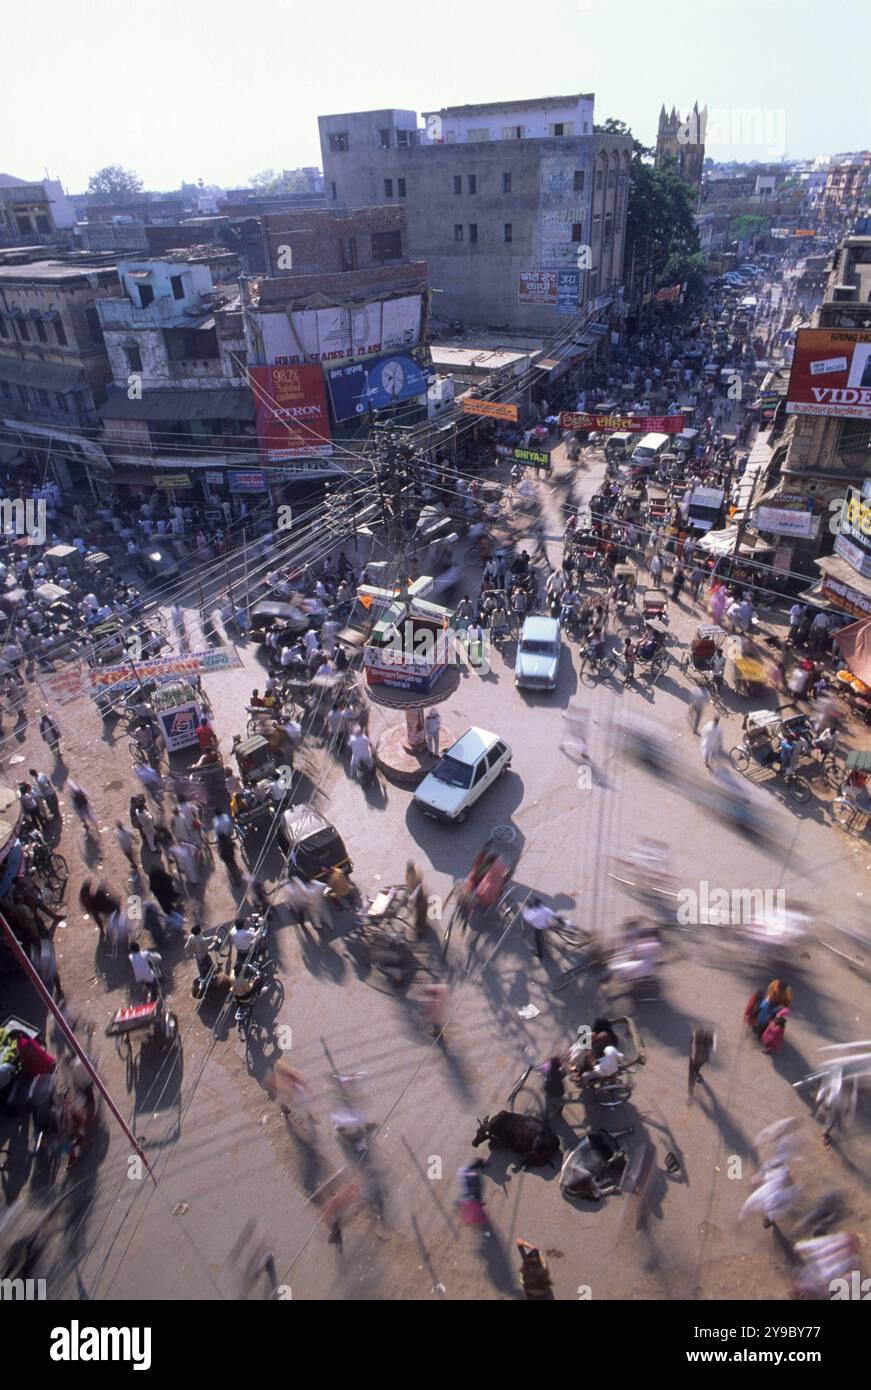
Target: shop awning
x=854 y=642
x=180 y=405
x=843 y=587
x=51 y=376
x=723 y=543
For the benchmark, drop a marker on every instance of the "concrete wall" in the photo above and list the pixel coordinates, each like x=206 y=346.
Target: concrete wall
x=459 y=127
x=70 y=299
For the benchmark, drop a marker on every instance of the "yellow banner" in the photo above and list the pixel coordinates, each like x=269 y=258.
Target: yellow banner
x=498 y=410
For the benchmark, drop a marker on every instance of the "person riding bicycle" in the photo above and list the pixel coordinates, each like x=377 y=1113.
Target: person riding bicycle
x=596 y=646
x=647 y=646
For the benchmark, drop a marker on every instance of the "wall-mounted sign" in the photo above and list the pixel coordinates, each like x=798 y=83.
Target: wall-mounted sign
x=831 y=374
x=374 y=384
x=496 y=410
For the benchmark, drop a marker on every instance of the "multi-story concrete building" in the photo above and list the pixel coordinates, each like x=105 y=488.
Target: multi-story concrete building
x=32 y=212
x=53 y=366
x=845 y=189
x=180 y=405
x=826 y=456
x=518 y=208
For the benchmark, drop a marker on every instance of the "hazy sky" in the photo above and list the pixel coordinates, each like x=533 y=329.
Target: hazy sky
x=187 y=89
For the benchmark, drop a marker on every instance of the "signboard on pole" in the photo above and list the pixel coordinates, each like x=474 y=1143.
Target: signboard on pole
x=831 y=374
x=496 y=410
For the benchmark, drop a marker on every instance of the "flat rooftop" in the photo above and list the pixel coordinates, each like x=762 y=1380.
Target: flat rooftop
x=526 y=104
x=51 y=270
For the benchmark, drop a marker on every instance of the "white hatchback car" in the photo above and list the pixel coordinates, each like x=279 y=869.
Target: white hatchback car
x=461 y=775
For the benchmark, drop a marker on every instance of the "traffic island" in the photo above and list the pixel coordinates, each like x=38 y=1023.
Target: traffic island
x=400 y=763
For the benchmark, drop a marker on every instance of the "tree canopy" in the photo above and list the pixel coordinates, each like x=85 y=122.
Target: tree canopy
x=275 y=181
x=661 y=233
x=114 y=182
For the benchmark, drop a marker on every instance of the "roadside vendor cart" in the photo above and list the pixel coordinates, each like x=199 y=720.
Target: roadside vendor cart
x=178 y=714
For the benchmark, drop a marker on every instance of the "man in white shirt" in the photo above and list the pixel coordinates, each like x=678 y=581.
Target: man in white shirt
x=361 y=750
x=146 y=968
x=540 y=918
x=242 y=939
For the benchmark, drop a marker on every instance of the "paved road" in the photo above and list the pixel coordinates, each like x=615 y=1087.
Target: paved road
x=224 y=1155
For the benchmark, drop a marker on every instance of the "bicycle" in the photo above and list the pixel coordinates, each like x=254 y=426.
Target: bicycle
x=593 y=669
x=51 y=868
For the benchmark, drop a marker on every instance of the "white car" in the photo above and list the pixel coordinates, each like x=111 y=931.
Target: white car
x=461 y=775
x=538 y=652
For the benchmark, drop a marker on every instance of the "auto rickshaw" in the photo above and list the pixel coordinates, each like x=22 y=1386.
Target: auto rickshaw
x=313 y=846
x=654 y=604
x=68 y=555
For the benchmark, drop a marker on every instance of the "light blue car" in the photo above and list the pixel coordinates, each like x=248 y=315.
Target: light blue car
x=538 y=652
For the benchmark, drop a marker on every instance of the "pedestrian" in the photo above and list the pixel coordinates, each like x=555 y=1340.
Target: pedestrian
x=701 y=1047
x=534 y=1272
x=196 y=946
x=82 y=806
x=540 y=918
x=711 y=738
x=50 y=733
x=162 y=885
x=470 y=1202
x=186 y=863
x=223 y=828
x=677 y=582
x=31 y=807
x=151 y=780
x=699 y=697
x=146 y=968
x=143 y=820
x=554 y=1088
x=697 y=579
x=125 y=842
x=206 y=736
x=241 y=939
x=655 y=567
x=44 y=788
x=432 y=731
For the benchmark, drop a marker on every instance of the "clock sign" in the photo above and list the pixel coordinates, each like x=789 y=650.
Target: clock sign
x=392 y=377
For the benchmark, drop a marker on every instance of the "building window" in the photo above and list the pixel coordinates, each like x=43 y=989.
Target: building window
x=348 y=251
x=472 y=183
x=597 y=227
x=404 y=138
x=388 y=188
x=177 y=287
x=473 y=233
x=24 y=330
x=43 y=396
x=4 y=331
x=22 y=395
x=594 y=283
x=94 y=328
x=506 y=183
x=599 y=180
x=512 y=132
x=563 y=128
x=458 y=231
x=40 y=331
x=146 y=296
x=333 y=187
x=339 y=142
x=474 y=136
x=579 y=181
x=612 y=178
x=134 y=359
x=854 y=437
x=458 y=183
x=384 y=137
x=577 y=231
x=43 y=226
x=400 y=187
x=507 y=231
x=61 y=400
x=59 y=331
x=386 y=246
x=609 y=225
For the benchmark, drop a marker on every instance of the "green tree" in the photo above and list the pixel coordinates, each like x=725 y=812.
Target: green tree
x=614 y=127
x=748 y=226
x=661 y=233
x=271 y=181
x=113 y=182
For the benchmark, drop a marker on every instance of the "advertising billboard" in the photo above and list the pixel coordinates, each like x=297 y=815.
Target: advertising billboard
x=292 y=416
x=537 y=287
x=780 y=521
x=831 y=374
x=374 y=384
x=294 y=337
x=568 y=289
x=496 y=410
x=643 y=424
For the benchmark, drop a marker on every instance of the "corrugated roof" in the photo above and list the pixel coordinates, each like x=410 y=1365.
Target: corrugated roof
x=180 y=405
x=52 y=376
